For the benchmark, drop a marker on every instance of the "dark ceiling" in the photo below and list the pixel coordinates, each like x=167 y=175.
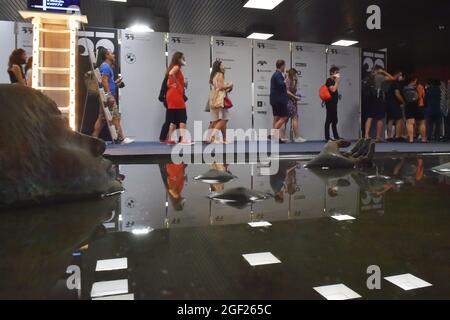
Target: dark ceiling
x=416 y=33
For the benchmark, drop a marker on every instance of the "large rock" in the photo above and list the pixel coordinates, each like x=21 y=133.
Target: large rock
x=41 y=159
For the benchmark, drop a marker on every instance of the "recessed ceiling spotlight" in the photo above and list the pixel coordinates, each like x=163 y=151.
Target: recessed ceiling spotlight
x=140 y=28
x=260 y=36
x=344 y=43
x=262 y=4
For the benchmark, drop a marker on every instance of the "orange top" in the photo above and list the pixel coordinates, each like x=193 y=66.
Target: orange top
x=421 y=92
x=175 y=177
x=175 y=91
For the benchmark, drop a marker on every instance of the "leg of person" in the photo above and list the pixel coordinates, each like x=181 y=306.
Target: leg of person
x=98 y=127
x=430 y=127
x=368 y=127
x=327 y=125
x=438 y=127
x=380 y=135
x=164 y=129
x=399 y=129
x=423 y=130
x=295 y=126
x=390 y=129
x=182 y=119
x=410 y=124
x=334 y=122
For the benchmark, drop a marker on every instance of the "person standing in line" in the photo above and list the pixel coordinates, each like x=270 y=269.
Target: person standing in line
x=332 y=84
x=420 y=118
x=292 y=87
x=176 y=105
x=433 y=110
x=106 y=60
x=377 y=106
x=29 y=72
x=219 y=90
x=411 y=97
x=278 y=100
x=445 y=106
x=17 y=58
x=395 y=102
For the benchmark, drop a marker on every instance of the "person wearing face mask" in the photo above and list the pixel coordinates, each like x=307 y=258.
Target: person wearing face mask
x=176 y=105
x=395 y=102
x=17 y=58
x=332 y=106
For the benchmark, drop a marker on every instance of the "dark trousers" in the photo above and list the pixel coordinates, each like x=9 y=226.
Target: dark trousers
x=447 y=127
x=434 y=125
x=165 y=128
x=332 y=119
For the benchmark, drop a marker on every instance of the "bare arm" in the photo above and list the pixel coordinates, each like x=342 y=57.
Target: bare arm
x=17 y=72
x=221 y=85
x=399 y=97
x=336 y=86
x=105 y=83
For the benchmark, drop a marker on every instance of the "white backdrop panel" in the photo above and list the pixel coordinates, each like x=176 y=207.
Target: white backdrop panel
x=311 y=60
x=349 y=108
x=197 y=50
x=25 y=37
x=266 y=54
x=143 y=65
x=8 y=44
x=236 y=55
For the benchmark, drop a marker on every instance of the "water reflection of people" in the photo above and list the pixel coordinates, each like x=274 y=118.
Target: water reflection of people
x=173 y=176
x=283 y=181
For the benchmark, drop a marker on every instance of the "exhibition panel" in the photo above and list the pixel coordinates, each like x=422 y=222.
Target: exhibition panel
x=143 y=64
x=310 y=61
x=265 y=56
x=236 y=55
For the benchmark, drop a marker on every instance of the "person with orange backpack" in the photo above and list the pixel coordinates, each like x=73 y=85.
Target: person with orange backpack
x=330 y=96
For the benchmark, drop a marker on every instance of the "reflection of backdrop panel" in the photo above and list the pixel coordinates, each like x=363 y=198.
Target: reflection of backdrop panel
x=8 y=45
x=310 y=60
x=348 y=60
x=265 y=55
x=236 y=55
x=143 y=63
x=198 y=56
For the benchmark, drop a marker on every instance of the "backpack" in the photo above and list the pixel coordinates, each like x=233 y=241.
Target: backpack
x=163 y=91
x=410 y=94
x=325 y=94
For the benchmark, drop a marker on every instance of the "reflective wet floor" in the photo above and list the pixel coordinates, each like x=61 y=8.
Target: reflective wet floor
x=234 y=232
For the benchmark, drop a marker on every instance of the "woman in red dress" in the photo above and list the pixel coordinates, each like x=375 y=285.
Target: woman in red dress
x=176 y=105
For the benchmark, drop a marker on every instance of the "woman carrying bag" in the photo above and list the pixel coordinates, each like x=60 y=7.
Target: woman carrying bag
x=219 y=103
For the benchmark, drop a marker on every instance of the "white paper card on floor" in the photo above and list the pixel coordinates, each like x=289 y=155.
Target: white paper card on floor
x=260 y=224
x=337 y=292
x=343 y=217
x=109 y=288
x=112 y=264
x=261 y=259
x=123 y=297
x=408 y=282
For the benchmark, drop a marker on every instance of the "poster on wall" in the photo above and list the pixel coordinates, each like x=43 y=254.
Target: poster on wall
x=371 y=59
x=310 y=61
x=197 y=51
x=89 y=40
x=265 y=56
x=24 y=32
x=236 y=55
x=349 y=107
x=143 y=63
x=8 y=45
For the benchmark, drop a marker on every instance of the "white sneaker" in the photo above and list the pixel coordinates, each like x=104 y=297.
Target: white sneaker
x=285 y=140
x=127 y=141
x=300 y=140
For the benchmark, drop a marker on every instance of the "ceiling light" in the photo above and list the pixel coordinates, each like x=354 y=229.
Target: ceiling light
x=344 y=43
x=141 y=231
x=118 y=0
x=260 y=36
x=140 y=28
x=262 y=4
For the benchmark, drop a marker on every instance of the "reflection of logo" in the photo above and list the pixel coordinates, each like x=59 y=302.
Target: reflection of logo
x=334 y=51
x=260 y=45
x=130 y=58
x=131 y=203
x=299 y=48
x=176 y=40
x=129 y=36
x=220 y=42
x=261 y=63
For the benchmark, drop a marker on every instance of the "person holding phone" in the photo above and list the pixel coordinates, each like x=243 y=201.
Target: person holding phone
x=332 y=84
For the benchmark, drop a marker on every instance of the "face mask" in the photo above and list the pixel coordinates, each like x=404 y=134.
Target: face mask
x=401 y=78
x=183 y=62
x=337 y=75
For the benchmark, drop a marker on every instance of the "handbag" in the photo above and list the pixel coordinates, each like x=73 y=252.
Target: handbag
x=227 y=103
